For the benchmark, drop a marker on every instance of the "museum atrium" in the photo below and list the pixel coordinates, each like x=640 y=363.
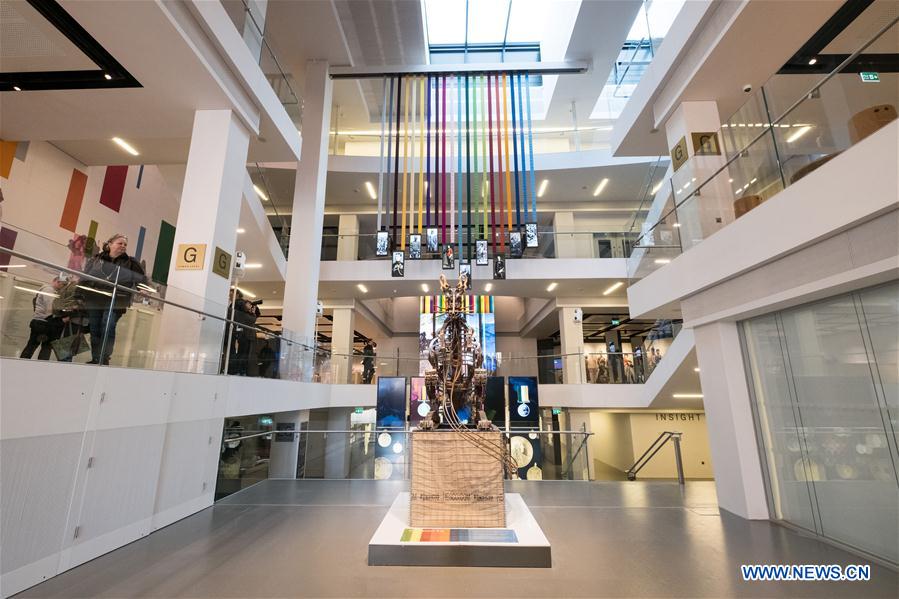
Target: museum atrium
x=590 y=298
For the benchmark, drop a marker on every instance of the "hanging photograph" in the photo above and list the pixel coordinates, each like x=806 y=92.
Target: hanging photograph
x=382 y=243
x=415 y=246
x=515 y=244
x=499 y=267
x=530 y=235
x=399 y=265
x=449 y=258
x=465 y=272
x=433 y=246
x=481 y=252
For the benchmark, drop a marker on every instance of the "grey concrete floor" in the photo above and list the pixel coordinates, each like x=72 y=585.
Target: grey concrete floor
x=610 y=539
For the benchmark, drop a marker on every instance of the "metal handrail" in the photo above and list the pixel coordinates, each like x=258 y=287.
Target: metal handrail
x=655 y=448
x=376 y=431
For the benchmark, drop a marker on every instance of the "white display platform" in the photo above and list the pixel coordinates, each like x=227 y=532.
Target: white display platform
x=531 y=549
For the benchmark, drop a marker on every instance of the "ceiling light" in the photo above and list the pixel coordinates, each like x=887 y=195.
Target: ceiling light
x=813 y=61
x=13 y=266
x=260 y=193
x=253 y=265
x=17 y=88
x=676 y=225
x=730 y=180
x=658 y=186
x=753 y=180
x=362 y=288
x=687 y=396
x=488 y=287
x=600 y=187
x=696 y=370
x=663 y=260
x=241 y=230
x=245 y=292
x=108 y=76
x=371 y=190
x=798 y=133
x=37 y=291
x=425 y=288
x=125 y=146
x=552 y=286
x=542 y=189
x=612 y=288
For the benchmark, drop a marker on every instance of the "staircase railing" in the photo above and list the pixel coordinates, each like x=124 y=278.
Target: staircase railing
x=655 y=448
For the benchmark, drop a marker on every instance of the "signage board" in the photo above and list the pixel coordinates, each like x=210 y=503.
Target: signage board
x=191 y=256
x=706 y=144
x=221 y=263
x=870 y=76
x=679 y=154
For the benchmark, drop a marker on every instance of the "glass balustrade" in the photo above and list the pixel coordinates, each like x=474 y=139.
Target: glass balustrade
x=791 y=126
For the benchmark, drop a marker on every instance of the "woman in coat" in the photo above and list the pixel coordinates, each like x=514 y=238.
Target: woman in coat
x=113 y=264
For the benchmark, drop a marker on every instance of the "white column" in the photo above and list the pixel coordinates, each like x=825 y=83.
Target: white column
x=283 y=458
x=703 y=215
x=209 y=214
x=301 y=287
x=732 y=438
x=337 y=444
x=348 y=237
x=342 y=329
x=565 y=243
x=572 y=334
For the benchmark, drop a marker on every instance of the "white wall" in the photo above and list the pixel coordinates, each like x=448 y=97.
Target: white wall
x=697 y=461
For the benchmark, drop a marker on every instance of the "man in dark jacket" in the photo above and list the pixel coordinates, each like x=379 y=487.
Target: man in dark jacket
x=113 y=264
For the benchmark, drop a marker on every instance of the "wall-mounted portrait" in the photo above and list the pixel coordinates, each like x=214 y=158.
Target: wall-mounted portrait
x=415 y=246
x=433 y=245
x=481 y=252
x=530 y=235
x=398 y=268
x=499 y=267
x=449 y=258
x=465 y=273
x=515 y=244
x=381 y=243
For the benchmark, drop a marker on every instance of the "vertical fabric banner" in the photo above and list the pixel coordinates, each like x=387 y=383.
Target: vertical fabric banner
x=428 y=154
x=468 y=167
x=396 y=158
x=421 y=150
x=389 y=152
x=524 y=179
x=506 y=150
x=491 y=182
x=527 y=86
x=405 y=164
x=515 y=151
x=381 y=154
x=443 y=156
x=459 y=164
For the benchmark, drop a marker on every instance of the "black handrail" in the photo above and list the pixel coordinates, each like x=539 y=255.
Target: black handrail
x=655 y=448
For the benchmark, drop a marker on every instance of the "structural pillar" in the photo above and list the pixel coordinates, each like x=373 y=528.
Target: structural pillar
x=301 y=286
x=702 y=215
x=348 y=237
x=342 y=333
x=207 y=219
x=572 y=341
x=732 y=439
x=285 y=448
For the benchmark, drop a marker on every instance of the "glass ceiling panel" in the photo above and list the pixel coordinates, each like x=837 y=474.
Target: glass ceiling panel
x=654 y=19
x=487 y=21
x=446 y=21
x=526 y=21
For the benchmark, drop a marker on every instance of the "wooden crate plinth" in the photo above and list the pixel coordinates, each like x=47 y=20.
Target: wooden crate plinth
x=455 y=484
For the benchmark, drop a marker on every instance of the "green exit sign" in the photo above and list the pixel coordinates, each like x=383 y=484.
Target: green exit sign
x=870 y=76
x=359 y=410
x=557 y=411
x=616 y=322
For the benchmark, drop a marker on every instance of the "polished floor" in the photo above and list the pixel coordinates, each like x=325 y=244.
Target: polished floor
x=612 y=539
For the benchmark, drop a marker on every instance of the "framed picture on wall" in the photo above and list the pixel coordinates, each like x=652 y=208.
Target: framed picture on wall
x=399 y=265
x=381 y=243
x=449 y=258
x=515 y=244
x=499 y=267
x=481 y=252
x=465 y=272
x=433 y=245
x=415 y=246
x=530 y=235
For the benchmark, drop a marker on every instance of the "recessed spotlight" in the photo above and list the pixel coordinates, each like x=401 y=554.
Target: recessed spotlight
x=798 y=133
x=600 y=187
x=612 y=288
x=241 y=230
x=730 y=180
x=260 y=193
x=552 y=286
x=663 y=260
x=371 y=190
x=676 y=225
x=488 y=287
x=253 y=265
x=108 y=76
x=17 y=88
x=696 y=370
x=125 y=146
x=542 y=188
x=425 y=288
x=813 y=61
x=687 y=395
x=362 y=288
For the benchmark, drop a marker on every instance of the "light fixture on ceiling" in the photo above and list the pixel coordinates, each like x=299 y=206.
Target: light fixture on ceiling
x=245 y=292
x=658 y=186
x=488 y=287
x=612 y=288
x=241 y=230
x=676 y=225
x=425 y=288
x=260 y=193
x=813 y=61
x=125 y=146
x=600 y=187
x=798 y=133
x=253 y=265
x=552 y=286
x=36 y=291
x=13 y=266
x=663 y=260
x=754 y=179
x=730 y=180
x=362 y=288
x=17 y=88
x=687 y=395
x=542 y=188
x=696 y=369
x=107 y=76
x=371 y=190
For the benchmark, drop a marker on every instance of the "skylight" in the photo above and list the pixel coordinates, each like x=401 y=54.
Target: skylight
x=495 y=22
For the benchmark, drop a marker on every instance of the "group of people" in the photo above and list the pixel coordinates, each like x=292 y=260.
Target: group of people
x=240 y=337
x=617 y=367
x=71 y=304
